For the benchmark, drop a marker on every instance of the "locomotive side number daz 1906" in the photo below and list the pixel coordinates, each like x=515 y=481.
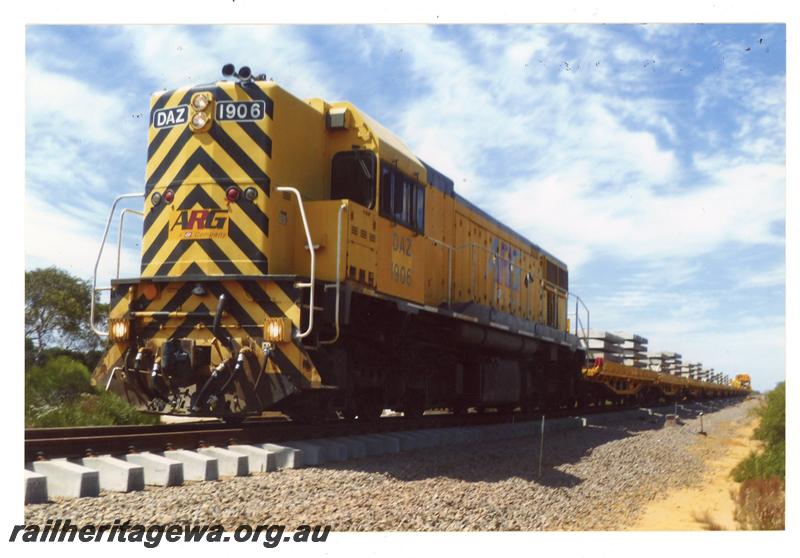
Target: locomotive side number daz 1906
x=401 y=259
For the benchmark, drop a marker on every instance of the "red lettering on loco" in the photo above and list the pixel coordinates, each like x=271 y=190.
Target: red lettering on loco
x=197 y=217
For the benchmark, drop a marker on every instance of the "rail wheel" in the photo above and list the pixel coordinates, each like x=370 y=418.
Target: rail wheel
x=369 y=406
x=414 y=405
x=348 y=413
x=412 y=412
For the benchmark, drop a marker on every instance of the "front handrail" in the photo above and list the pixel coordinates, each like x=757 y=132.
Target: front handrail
x=312 y=252
x=95 y=290
x=119 y=234
x=335 y=338
x=584 y=330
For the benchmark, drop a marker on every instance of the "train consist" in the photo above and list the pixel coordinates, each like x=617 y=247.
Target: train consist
x=298 y=257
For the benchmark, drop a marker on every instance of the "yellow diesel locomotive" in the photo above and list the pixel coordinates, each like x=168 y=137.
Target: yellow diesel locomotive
x=296 y=256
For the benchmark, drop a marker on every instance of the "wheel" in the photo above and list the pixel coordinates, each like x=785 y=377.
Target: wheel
x=414 y=405
x=370 y=412
x=348 y=413
x=369 y=407
x=413 y=411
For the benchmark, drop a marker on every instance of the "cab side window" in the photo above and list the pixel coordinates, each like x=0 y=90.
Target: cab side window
x=387 y=187
x=353 y=177
x=402 y=199
x=419 y=209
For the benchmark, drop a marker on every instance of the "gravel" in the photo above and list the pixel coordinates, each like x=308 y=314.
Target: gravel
x=598 y=477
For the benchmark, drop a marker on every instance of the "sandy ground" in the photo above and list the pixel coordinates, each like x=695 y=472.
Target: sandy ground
x=708 y=505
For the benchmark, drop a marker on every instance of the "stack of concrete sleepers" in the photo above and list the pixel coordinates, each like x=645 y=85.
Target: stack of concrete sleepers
x=655 y=362
x=634 y=349
x=665 y=363
x=605 y=345
x=671 y=363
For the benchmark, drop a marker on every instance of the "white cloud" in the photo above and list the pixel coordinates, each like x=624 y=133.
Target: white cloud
x=471 y=104
x=72 y=243
x=772 y=277
x=640 y=222
x=176 y=56
x=57 y=102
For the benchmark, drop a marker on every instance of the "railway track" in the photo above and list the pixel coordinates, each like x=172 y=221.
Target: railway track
x=126 y=458
x=75 y=442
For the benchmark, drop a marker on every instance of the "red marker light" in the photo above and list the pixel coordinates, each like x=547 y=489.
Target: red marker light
x=169 y=195
x=232 y=194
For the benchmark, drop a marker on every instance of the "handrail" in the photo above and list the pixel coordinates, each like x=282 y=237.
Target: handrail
x=312 y=252
x=99 y=255
x=585 y=330
x=119 y=234
x=335 y=338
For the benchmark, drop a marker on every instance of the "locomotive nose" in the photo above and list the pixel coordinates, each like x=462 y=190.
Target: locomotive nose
x=207 y=213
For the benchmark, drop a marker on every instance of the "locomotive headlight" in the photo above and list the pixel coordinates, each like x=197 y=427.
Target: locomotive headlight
x=199 y=120
x=278 y=330
x=200 y=102
x=118 y=330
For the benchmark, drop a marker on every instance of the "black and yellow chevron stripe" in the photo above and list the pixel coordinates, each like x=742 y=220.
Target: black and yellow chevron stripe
x=198 y=168
x=178 y=312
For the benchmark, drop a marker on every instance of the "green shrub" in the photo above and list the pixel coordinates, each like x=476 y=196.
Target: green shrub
x=59 y=393
x=91 y=410
x=88 y=358
x=772 y=428
x=770 y=461
x=761 y=498
x=57 y=381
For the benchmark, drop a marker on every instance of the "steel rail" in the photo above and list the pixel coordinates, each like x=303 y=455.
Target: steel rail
x=47 y=443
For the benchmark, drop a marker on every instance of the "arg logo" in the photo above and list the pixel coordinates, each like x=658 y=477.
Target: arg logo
x=193 y=224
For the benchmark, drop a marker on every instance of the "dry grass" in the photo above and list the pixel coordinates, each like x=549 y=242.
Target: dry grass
x=705 y=520
x=760 y=504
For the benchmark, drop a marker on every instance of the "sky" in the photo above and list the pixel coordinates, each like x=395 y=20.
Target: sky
x=650 y=158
